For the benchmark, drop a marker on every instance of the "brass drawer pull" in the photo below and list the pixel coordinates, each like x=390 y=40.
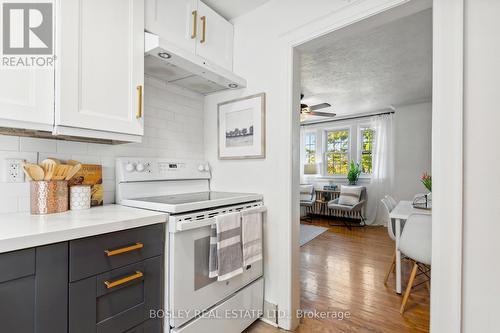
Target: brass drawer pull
x=136 y=246
x=137 y=275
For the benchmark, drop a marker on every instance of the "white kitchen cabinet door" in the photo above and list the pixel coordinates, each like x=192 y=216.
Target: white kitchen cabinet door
x=100 y=71
x=27 y=98
x=215 y=37
x=174 y=21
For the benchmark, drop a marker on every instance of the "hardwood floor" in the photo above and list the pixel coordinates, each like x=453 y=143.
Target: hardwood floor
x=343 y=271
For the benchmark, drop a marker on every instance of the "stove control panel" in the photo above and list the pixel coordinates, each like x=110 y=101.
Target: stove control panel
x=149 y=169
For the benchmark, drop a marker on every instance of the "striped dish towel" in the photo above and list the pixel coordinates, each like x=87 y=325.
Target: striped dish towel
x=251 y=235
x=213 y=270
x=226 y=258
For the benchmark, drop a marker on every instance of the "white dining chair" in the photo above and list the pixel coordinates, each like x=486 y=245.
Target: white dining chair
x=416 y=244
x=392 y=202
x=390 y=230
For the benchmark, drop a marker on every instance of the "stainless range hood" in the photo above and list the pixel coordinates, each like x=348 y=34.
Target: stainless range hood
x=169 y=63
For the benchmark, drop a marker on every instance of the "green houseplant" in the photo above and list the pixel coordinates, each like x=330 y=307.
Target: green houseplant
x=353 y=173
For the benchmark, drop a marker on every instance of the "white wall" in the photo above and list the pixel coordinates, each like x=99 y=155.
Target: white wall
x=173 y=128
x=412 y=148
x=481 y=247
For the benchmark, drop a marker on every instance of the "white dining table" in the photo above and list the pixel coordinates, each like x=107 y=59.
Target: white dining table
x=401 y=213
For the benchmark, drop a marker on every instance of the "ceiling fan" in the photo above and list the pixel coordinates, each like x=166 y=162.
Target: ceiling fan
x=306 y=110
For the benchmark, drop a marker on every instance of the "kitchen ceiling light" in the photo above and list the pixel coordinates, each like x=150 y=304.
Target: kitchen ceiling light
x=164 y=55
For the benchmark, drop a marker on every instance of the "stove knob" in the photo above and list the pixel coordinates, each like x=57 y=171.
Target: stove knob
x=207 y=167
x=140 y=167
x=201 y=167
x=130 y=167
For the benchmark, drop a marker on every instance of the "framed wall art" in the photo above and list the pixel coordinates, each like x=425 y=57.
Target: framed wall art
x=242 y=128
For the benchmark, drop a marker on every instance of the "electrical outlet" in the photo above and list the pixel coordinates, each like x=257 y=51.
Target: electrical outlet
x=14 y=171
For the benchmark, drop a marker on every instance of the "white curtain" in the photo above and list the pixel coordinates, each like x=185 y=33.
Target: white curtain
x=382 y=167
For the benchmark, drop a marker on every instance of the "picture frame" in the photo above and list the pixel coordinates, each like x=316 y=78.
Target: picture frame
x=241 y=126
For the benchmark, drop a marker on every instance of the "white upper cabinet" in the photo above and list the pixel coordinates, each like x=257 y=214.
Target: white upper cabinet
x=27 y=98
x=100 y=72
x=194 y=27
x=173 y=20
x=215 y=37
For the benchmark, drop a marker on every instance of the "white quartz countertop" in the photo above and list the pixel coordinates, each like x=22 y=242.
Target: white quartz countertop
x=23 y=230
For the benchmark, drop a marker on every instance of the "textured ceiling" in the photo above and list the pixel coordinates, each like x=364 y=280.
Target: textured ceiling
x=231 y=9
x=365 y=68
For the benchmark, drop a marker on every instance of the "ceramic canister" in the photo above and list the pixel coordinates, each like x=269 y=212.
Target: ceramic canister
x=80 y=197
x=47 y=197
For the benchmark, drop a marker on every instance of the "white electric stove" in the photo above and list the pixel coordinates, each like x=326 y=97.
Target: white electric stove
x=193 y=301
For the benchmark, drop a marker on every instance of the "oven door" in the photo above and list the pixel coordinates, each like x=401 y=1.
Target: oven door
x=191 y=290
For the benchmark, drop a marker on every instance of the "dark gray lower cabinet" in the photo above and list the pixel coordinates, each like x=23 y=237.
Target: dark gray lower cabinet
x=102 y=284
x=33 y=290
x=119 y=300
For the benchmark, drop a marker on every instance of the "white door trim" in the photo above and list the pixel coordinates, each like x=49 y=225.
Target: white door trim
x=447 y=136
x=447 y=165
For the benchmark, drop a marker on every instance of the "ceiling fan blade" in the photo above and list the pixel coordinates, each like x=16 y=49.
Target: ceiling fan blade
x=321 y=114
x=319 y=106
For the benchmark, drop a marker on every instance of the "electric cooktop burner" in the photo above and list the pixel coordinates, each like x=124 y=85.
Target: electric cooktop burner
x=185 y=202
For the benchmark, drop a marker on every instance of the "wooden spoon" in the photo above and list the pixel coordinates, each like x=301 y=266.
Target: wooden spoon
x=49 y=170
x=36 y=172
x=55 y=160
x=48 y=166
x=26 y=172
x=61 y=172
x=73 y=171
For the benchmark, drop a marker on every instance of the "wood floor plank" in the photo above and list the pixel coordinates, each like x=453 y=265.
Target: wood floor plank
x=344 y=270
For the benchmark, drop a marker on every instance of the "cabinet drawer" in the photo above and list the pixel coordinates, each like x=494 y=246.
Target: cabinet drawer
x=150 y=326
x=14 y=265
x=117 y=301
x=95 y=255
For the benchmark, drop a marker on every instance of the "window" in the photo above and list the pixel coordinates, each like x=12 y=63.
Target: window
x=337 y=152
x=366 y=153
x=310 y=148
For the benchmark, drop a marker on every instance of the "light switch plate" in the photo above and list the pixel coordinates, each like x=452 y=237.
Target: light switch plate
x=14 y=170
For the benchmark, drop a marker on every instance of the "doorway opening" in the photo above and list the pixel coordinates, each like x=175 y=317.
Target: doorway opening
x=365 y=158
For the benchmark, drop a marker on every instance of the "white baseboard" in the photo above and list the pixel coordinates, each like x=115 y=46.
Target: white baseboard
x=267 y=321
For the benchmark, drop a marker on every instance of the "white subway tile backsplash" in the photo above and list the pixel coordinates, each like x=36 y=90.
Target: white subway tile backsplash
x=109 y=197
x=87 y=159
x=23 y=204
x=9 y=143
x=167 y=108
x=62 y=157
x=37 y=145
x=8 y=204
x=70 y=147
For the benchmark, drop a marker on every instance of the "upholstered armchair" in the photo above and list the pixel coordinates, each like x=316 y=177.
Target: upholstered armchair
x=307 y=200
x=358 y=204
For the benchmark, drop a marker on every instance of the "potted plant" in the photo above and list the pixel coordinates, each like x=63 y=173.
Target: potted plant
x=353 y=173
x=426 y=179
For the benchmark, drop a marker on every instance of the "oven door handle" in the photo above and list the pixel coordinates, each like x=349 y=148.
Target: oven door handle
x=188 y=225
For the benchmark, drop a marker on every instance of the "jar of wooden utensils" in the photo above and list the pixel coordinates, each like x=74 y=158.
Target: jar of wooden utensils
x=49 y=185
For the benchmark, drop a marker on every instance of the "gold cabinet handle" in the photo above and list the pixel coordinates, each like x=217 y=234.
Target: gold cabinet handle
x=195 y=23
x=139 y=108
x=112 y=284
x=136 y=246
x=204 y=29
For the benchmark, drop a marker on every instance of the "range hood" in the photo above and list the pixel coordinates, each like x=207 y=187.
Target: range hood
x=169 y=63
